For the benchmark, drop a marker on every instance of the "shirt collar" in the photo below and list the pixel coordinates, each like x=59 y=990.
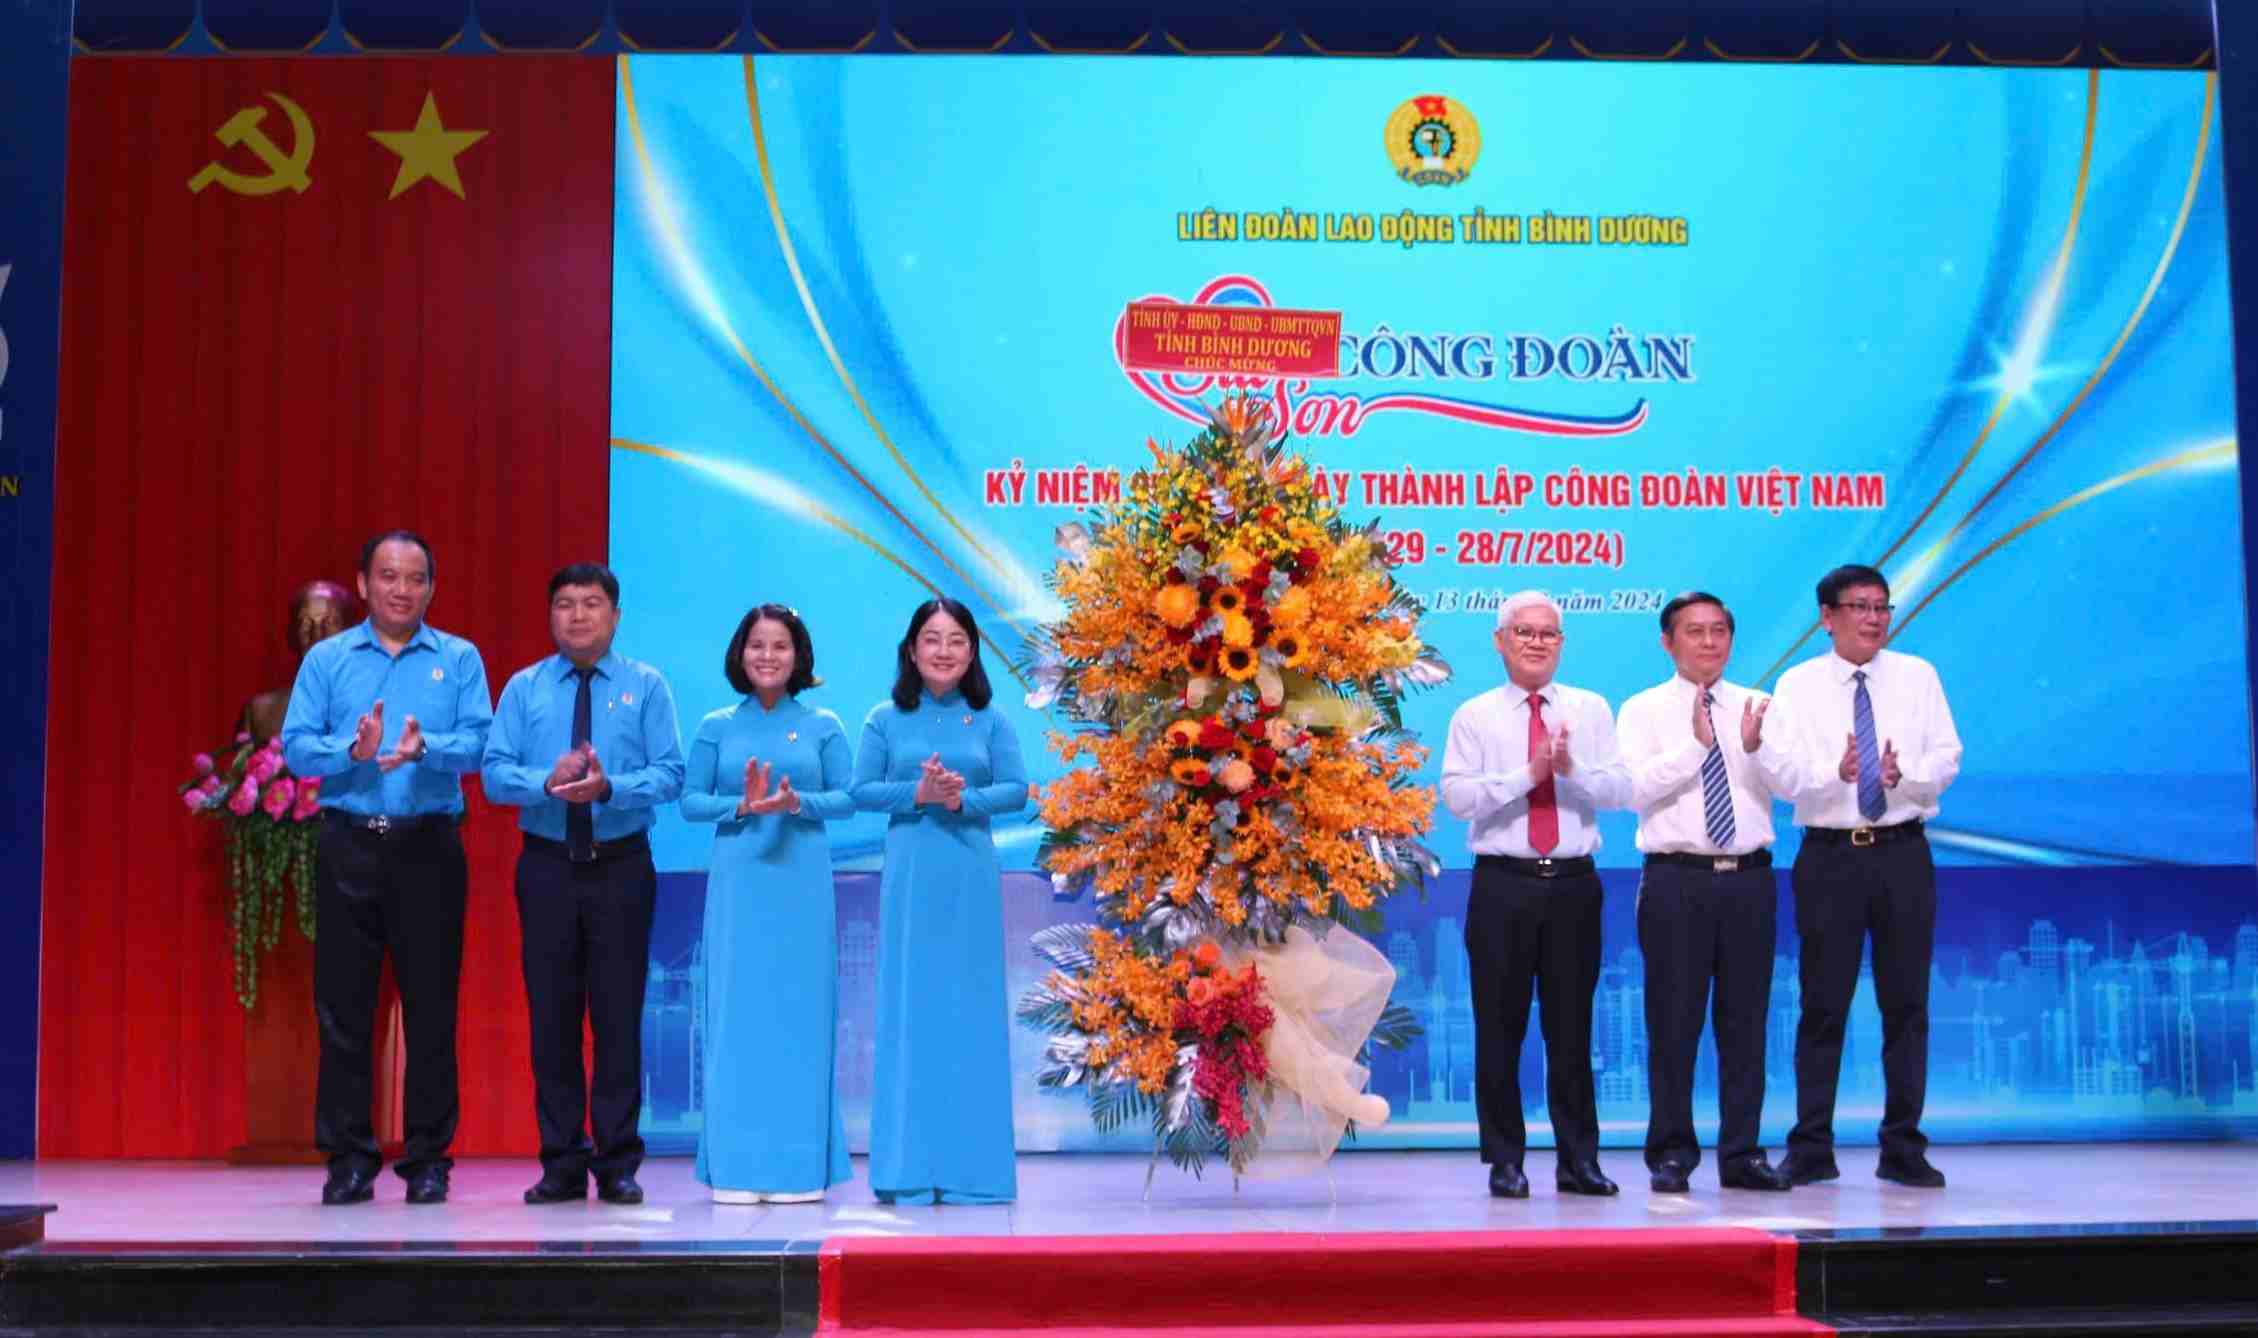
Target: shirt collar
x=607 y=667
x=1843 y=669
x=1517 y=696
x=422 y=637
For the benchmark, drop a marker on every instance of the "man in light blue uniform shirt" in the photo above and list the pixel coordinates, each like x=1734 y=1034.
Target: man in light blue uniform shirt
x=585 y=744
x=388 y=716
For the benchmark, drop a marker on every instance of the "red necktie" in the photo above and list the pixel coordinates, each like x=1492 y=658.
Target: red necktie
x=1544 y=815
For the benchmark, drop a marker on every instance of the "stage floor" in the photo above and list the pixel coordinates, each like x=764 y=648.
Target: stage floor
x=1077 y=1194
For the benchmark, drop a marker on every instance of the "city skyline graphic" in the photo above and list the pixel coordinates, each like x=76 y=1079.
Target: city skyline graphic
x=2087 y=1016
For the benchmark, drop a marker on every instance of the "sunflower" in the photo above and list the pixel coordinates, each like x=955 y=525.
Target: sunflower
x=1238 y=629
x=1189 y=771
x=1185 y=532
x=1227 y=600
x=1293 y=652
x=1199 y=658
x=1240 y=662
x=1183 y=734
x=1177 y=604
x=1283 y=775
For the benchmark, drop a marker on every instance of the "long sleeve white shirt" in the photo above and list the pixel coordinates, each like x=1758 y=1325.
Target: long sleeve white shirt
x=1655 y=732
x=1909 y=711
x=1486 y=774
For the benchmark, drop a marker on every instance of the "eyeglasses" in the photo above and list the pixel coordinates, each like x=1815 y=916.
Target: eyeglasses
x=1864 y=608
x=1536 y=636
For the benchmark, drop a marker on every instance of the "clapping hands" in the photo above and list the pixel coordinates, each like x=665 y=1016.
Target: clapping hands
x=578 y=777
x=936 y=784
x=760 y=798
x=368 y=734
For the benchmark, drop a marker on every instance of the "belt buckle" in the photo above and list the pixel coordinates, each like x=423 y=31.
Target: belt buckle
x=1862 y=836
x=1546 y=868
x=380 y=824
x=1725 y=864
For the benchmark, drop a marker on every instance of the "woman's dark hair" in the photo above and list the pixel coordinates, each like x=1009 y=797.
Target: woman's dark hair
x=803 y=650
x=910 y=684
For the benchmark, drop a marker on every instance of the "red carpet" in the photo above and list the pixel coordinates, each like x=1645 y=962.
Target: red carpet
x=1573 y=1284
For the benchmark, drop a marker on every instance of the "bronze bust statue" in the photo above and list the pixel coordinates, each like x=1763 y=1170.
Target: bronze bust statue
x=320 y=610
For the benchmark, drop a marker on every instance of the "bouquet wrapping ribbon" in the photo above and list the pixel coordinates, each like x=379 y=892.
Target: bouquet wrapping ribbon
x=1325 y=995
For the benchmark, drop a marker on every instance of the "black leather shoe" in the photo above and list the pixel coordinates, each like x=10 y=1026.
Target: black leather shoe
x=1804 y=1169
x=1914 y=1171
x=1755 y=1173
x=618 y=1189
x=1507 y=1182
x=1670 y=1178
x=553 y=1188
x=349 y=1184
x=1584 y=1177
x=428 y=1185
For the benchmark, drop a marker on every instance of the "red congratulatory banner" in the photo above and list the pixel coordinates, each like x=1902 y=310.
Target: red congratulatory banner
x=1266 y=341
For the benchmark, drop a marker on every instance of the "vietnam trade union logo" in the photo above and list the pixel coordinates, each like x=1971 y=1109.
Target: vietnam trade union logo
x=1433 y=141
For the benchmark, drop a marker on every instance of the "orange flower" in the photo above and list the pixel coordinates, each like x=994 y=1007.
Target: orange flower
x=1284 y=776
x=1190 y=771
x=1238 y=630
x=1201 y=990
x=1198 y=658
x=1291 y=609
x=1183 y=734
x=1227 y=600
x=1185 y=532
x=1207 y=955
x=1177 y=604
x=1240 y=662
x=1293 y=652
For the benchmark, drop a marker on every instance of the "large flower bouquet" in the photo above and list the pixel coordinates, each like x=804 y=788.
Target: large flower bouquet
x=1235 y=654
x=268 y=818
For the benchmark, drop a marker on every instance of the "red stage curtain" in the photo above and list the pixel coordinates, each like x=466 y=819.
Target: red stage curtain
x=252 y=384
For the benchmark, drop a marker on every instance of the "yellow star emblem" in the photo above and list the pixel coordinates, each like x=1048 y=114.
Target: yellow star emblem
x=427 y=151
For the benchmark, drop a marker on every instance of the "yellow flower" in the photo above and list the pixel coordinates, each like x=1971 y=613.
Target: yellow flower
x=1284 y=776
x=1237 y=630
x=1185 y=532
x=1227 y=600
x=1293 y=652
x=1238 y=560
x=1291 y=608
x=1240 y=662
x=1183 y=734
x=1177 y=604
x=1190 y=771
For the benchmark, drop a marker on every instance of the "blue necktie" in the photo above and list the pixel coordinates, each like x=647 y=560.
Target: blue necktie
x=1716 y=794
x=580 y=819
x=1870 y=800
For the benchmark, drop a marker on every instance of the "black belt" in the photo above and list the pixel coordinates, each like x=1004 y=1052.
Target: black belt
x=637 y=844
x=1754 y=859
x=1537 y=868
x=381 y=824
x=1863 y=836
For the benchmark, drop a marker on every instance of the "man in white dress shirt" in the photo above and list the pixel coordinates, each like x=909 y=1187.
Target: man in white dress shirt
x=1528 y=766
x=1704 y=770
x=1878 y=746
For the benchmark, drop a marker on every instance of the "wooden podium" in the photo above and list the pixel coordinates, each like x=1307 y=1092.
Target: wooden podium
x=281 y=1057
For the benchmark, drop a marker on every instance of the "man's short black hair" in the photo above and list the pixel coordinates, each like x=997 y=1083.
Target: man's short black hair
x=368 y=550
x=586 y=573
x=1849 y=576
x=803 y=650
x=1687 y=601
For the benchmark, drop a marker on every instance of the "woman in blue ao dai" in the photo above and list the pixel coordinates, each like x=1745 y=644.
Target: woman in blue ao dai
x=941 y=762
x=770 y=772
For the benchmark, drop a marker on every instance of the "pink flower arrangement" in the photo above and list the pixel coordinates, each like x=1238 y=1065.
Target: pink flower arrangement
x=267 y=816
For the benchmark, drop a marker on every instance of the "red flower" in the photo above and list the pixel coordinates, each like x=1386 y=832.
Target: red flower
x=1306 y=560
x=1263 y=758
x=1214 y=735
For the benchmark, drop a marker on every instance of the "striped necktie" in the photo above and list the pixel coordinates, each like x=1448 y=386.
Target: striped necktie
x=1716 y=793
x=1870 y=801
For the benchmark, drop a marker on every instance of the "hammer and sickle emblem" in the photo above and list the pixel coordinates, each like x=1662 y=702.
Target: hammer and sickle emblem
x=283 y=169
